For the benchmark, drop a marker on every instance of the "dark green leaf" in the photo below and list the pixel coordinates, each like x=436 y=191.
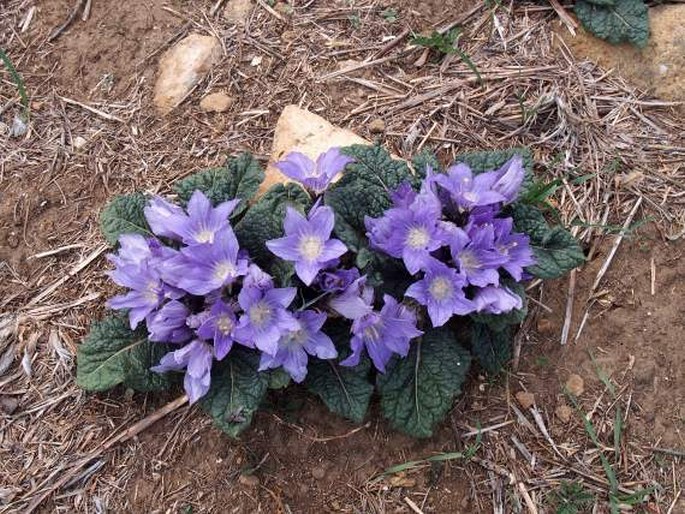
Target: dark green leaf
x=264 y=221
x=240 y=178
x=619 y=22
x=555 y=249
x=443 y=43
x=345 y=390
x=364 y=190
x=418 y=391
x=113 y=354
x=124 y=215
x=423 y=160
x=278 y=379
x=237 y=390
x=491 y=347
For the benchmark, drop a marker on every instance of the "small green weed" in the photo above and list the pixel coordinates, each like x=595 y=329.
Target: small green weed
x=571 y=498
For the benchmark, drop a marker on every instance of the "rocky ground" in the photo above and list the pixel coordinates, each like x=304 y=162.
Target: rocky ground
x=134 y=95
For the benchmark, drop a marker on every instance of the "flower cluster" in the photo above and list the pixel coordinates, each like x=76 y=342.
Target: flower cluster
x=196 y=289
x=452 y=232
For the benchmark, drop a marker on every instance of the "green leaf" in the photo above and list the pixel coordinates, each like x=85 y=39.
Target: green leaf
x=264 y=221
x=113 y=354
x=345 y=390
x=124 y=215
x=619 y=22
x=555 y=249
x=423 y=160
x=278 y=379
x=489 y=160
x=500 y=322
x=237 y=390
x=364 y=190
x=240 y=178
x=418 y=391
x=492 y=348
x=443 y=43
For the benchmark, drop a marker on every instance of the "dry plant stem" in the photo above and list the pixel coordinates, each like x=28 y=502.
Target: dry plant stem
x=569 y=307
x=66 y=24
x=121 y=437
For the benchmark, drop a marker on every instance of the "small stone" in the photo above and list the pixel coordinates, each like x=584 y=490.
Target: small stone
x=545 y=327
x=19 y=127
x=319 y=472
x=79 y=142
x=12 y=240
x=237 y=11
x=216 y=102
x=575 y=385
x=564 y=413
x=251 y=481
x=8 y=405
x=377 y=126
x=525 y=399
x=182 y=67
x=402 y=481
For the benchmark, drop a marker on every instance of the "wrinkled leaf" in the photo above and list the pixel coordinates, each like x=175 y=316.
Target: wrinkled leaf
x=113 y=354
x=237 y=390
x=417 y=392
x=124 y=215
x=616 y=22
x=492 y=348
x=555 y=249
x=240 y=178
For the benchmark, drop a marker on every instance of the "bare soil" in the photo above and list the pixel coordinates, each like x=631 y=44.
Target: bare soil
x=298 y=457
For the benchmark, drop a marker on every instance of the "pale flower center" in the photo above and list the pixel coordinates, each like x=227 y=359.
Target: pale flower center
x=224 y=324
x=223 y=270
x=440 y=288
x=310 y=247
x=468 y=261
x=297 y=337
x=259 y=313
x=417 y=237
x=372 y=333
x=470 y=196
x=151 y=291
x=204 y=236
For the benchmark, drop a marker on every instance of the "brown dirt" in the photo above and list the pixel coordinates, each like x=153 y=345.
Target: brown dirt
x=303 y=459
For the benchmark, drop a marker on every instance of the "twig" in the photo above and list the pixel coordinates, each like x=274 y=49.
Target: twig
x=119 y=438
x=216 y=7
x=669 y=451
x=569 y=307
x=100 y=113
x=86 y=11
x=652 y=281
x=270 y=10
x=412 y=505
x=72 y=16
x=565 y=17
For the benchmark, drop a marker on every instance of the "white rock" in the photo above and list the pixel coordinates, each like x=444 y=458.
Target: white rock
x=182 y=67
x=79 y=142
x=216 y=102
x=303 y=131
x=237 y=11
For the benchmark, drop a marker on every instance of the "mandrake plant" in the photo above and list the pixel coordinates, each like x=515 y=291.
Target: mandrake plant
x=391 y=281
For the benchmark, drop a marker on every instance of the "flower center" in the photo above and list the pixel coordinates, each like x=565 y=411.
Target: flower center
x=310 y=247
x=223 y=270
x=468 y=260
x=224 y=324
x=297 y=338
x=259 y=314
x=418 y=238
x=470 y=196
x=440 y=288
x=151 y=292
x=204 y=236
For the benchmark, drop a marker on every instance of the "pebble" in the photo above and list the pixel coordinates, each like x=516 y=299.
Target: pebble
x=564 y=413
x=545 y=326
x=377 y=126
x=216 y=102
x=249 y=481
x=525 y=399
x=8 y=405
x=79 y=142
x=575 y=385
x=237 y=11
x=318 y=472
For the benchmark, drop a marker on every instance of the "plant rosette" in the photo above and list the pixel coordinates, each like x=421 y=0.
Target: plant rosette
x=390 y=280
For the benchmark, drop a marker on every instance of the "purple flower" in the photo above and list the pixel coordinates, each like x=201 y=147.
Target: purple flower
x=265 y=317
x=203 y=268
x=337 y=281
x=442 y=292
x=496 y=300
x=256 y=277
x=196 y=359
x=202 y=223
x=476 y=255
x=168 y=324
x=510 y=178
x=467 y=191
x=218 y=327
x=403 y=196
x=315 y=176
x=355 y=301
x=307 y=241
x=410 y=233
x=294 y=346
x=382 y=334
x=163 y=217
x=514 y=247
x=134 y=249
